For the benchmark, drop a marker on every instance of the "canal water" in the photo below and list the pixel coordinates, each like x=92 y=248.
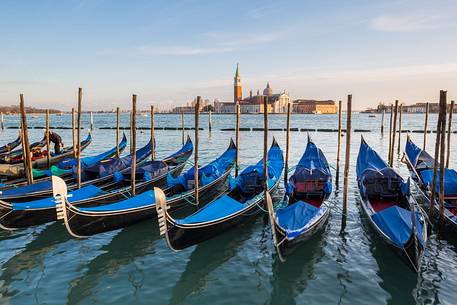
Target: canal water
x=44 y=265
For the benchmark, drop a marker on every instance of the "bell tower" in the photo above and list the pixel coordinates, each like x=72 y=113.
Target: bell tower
x=237 y=91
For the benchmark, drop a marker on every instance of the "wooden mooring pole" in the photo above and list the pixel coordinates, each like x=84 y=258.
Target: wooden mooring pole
x=3 y=121
x=390 y=131
x=346 y=161
x=91 y=121
x=427 y=107
x=286 y=167
x=209 y=121
x=399 y=129
x=197 y=115
x=338 y=151
x=26 y=146
x=133 y=133
x=48 y=147
x=435 y=163
x=382 y=121
x=449 y=131
x=118 y=125
x=78 y=151
x=394 y=131
x=237 y=140
x=153 y=141
x=443 y=106
x=182 y=126
x=265 y=148
x=73 y=128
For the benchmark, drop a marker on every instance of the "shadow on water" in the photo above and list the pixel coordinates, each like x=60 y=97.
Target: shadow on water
x=290 y=278
x=124 y=248
x=398 y=279
x=206 y=258
x=33 y=255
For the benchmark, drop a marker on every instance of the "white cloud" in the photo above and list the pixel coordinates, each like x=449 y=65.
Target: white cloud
x=411 y=22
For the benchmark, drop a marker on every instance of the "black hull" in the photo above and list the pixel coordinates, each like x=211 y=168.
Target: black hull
x=287 y=247
x=180 y=237
x=82 y=224
x=12 y=219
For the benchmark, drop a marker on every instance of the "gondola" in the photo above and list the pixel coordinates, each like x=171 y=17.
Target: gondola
x=390 y=208
x=85 y=221
x=304 y=213
x=420 y=165
x=15 y=156
x=11 y=171
x=67 y=166
x=148 y=174
x=10 y=146
x=43 y=188
x=245 y=199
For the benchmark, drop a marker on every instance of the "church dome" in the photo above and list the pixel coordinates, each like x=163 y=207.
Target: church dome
x=268 y=91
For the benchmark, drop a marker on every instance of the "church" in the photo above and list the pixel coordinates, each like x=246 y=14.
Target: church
x=277 y=102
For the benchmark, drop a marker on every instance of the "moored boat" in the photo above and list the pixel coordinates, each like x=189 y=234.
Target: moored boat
x=85 y=221
x=151 y=173
x=390 y=208
x=304 y=213
x=420 y=165
x=10 y=146
x=244 y=200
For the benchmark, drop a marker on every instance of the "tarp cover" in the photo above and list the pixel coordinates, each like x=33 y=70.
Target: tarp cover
x=396 y=223
x=207 y=173
x=91 y=160
x=412 y=151
x=296 y=218
x=26 y=189
x=450 y=180
x=141 y=200
x=76 y=195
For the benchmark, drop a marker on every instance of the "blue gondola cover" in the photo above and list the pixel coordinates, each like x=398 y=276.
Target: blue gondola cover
x=295 y=218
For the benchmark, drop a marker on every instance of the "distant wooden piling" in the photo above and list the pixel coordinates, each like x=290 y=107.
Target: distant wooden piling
x=443 y=106
x=435 y=164
x=338 y=151
x=390 y=131
x=78 y=151
x=197 y=116
x=394 y=131
x=382 y=121
x=286 y=167
x=209 y=121
x=346 y=161
x=427 y=107
x=26 y=155
x=91 y=121
x=399 y=129
x=118 y=126
x=73 y=128
x=48 y=147
x=237 y=139
x=182 y=126
x=133 y=132
x=153 y=151
x=2 y=121
x=265 y=148
x=449 y=131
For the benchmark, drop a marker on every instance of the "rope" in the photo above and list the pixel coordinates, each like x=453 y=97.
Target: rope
x=188 y=201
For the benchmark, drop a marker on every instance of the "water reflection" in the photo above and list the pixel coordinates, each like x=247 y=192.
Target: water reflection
x=124 y=248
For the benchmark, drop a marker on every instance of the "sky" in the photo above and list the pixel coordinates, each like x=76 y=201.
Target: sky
x=167 y=52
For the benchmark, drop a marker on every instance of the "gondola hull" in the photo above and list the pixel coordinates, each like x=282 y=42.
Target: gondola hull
x=182 y=236
x=83 y=223
x=15 y=219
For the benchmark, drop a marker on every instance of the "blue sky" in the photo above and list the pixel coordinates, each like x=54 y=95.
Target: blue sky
x=168 y=52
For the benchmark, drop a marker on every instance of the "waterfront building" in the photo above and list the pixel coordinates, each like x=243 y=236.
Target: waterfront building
x=313 y=106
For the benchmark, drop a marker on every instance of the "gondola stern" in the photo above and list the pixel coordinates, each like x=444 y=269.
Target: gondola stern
x=162 y=215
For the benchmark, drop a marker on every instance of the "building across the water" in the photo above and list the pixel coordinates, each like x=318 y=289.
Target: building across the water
x=277 y=102
x=313 y=106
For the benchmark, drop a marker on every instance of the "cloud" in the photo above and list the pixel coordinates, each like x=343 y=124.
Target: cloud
x=411 y=22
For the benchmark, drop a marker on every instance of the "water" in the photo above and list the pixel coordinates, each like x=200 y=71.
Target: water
x=43 y=265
